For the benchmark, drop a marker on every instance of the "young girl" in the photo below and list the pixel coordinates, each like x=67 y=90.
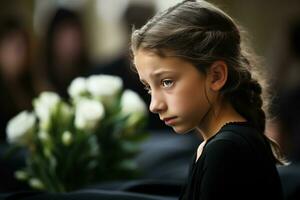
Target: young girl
x=190 y=59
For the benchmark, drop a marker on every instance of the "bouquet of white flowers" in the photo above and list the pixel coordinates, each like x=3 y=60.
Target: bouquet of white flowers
x=93 y=137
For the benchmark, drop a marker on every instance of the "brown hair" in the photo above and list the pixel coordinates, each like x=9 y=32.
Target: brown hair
x=202 y=34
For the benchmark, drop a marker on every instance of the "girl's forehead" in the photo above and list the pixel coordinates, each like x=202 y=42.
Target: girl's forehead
x=150 y=65
x=148 y=61
x=143 y=54
x=149 y=58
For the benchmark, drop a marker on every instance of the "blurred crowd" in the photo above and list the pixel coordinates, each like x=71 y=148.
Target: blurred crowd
x=61 y=54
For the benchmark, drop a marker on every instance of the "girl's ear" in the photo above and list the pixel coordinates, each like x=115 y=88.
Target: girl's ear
x=217 y=75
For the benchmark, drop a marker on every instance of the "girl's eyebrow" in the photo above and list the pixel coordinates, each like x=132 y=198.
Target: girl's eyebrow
x=159 y=73
x=156 y=74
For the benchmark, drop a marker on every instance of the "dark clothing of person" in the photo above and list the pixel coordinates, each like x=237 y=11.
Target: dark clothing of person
x=236 y=164
x=289 y=122
x=290 y=178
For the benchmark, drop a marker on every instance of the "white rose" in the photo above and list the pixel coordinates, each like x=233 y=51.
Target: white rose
x=132 y=103
x=36 y=183
x=88 y=114
x=21 y=175
x=134 y=106
x=105 y=87
x=44 y=107
x=67 y=138
x=43 y=136
x=77 y=87
x=20 y=127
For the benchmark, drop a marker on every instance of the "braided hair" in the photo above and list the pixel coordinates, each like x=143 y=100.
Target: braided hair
x=202 y=34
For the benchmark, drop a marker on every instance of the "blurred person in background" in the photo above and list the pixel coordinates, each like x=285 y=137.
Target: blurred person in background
x=17 y=90
x=135 y=15
x=287 y=106
x=289 y=128
x=16 y=85
x=65 y=53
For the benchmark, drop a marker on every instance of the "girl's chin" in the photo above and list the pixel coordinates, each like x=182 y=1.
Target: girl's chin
x=181 y=130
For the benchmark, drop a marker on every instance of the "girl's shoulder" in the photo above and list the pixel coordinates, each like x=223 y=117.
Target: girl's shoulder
x=236 y=136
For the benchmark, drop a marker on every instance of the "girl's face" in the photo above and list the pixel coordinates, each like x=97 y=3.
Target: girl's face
x=177 y=89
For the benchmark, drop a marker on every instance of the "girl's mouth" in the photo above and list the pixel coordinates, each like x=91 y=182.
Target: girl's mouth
x=169 y=120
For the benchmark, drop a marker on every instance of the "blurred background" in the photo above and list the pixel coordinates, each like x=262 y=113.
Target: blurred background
x=46 y=44
x=53 y=41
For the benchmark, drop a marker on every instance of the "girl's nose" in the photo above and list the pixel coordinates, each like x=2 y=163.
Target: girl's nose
x=157 y=105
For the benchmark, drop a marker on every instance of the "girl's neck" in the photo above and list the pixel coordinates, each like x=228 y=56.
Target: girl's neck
x=217 y=118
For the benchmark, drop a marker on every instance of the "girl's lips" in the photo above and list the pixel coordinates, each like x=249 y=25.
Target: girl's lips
x=169 y=120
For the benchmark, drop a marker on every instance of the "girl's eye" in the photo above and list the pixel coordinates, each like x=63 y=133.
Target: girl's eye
x=166 y=83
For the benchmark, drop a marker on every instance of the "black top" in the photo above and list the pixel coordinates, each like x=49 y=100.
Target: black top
x=236 y=163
